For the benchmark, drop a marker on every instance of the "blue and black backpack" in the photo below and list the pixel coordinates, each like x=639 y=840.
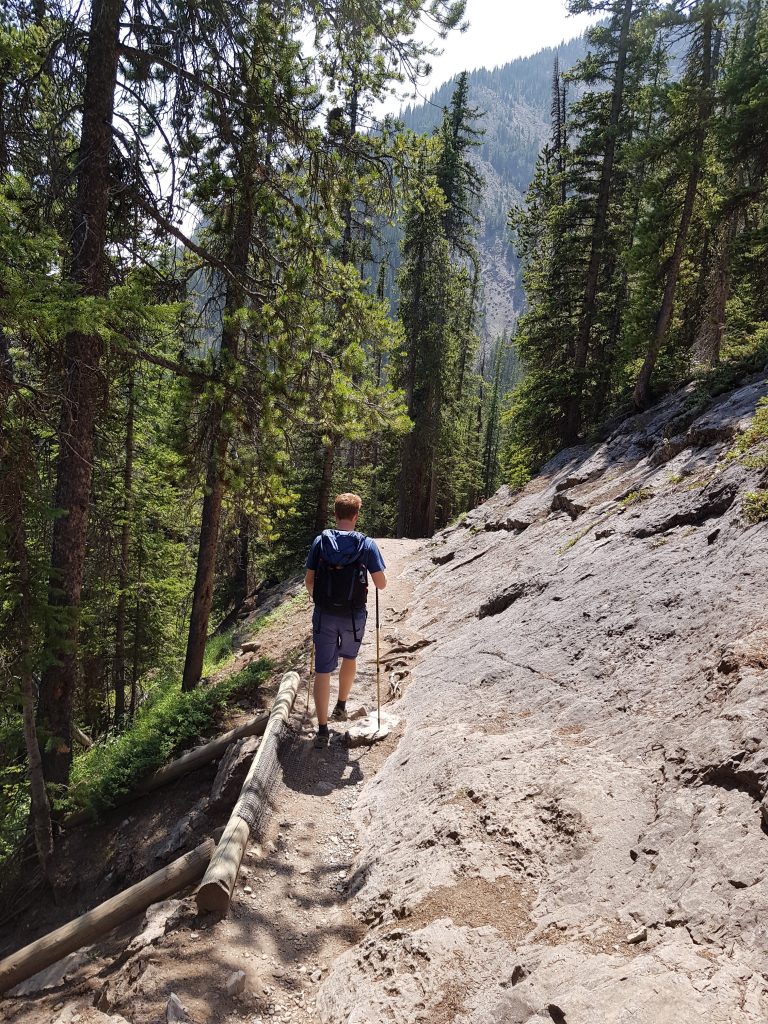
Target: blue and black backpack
x=341 y=586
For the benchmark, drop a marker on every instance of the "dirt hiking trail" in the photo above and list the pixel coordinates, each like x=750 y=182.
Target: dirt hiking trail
x=289 y=918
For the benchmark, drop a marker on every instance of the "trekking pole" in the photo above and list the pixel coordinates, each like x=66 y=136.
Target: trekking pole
x=378 y=666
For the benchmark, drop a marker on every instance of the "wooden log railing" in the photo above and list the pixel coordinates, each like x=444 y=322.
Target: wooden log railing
x=97 y=922
x=215 y=892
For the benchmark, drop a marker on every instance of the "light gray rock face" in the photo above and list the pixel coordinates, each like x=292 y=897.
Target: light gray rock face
x=589 y=724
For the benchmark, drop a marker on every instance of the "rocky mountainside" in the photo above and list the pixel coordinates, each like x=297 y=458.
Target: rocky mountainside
x=570 y=829
x=515 y=100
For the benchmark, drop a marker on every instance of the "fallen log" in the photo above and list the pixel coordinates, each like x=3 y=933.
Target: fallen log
x=102 y=919
x=182 y=766
x=215 y=892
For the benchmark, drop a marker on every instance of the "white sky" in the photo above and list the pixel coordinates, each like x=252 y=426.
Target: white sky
x=499 y=31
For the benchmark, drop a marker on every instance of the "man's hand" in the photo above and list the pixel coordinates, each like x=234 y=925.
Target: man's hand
x=379 y=580
x=309 y=581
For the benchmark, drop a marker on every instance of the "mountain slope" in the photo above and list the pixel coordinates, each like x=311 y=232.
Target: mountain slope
x=516 y=101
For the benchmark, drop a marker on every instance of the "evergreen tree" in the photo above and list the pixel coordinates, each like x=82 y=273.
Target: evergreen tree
x=82 y=391
x=690 y=129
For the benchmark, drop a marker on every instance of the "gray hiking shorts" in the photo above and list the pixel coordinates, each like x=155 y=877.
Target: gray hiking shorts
x=335 y=635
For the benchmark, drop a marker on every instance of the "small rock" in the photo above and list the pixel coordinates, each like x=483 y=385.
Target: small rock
x=235 y=983
x=638 y=936
x=159 y=918
x=316 y=976
x=250 y=646
x=175 y=1011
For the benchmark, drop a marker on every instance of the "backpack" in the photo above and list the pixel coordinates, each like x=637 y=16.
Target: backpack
x=343 y=586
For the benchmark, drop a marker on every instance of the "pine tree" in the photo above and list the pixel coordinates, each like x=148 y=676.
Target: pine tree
x=695 y=108
x=613 y=56
x=82 y=392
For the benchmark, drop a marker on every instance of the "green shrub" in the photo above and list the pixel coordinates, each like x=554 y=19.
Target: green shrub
x=755 y=506
x=167 y=723
x=752 y=447
x=643 y=494
x=14 y=811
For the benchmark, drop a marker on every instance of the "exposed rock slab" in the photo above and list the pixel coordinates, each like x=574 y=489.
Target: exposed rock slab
x=590 y=722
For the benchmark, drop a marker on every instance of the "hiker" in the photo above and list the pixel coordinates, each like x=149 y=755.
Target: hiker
x=337 y=580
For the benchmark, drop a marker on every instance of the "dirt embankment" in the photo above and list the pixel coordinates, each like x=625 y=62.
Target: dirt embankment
x=570 y=824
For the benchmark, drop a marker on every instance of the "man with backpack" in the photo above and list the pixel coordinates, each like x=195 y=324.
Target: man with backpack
x=337 y=580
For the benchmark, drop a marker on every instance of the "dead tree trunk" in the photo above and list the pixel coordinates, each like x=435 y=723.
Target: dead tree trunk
x=215 y=892
x=82 y=390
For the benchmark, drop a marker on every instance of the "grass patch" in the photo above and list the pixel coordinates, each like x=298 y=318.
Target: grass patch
x=167 y=723
x=643 y=494
x=219 y=651
x=277 y=614
x=751 y=448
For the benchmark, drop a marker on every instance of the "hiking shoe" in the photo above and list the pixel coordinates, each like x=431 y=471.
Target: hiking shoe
x=339 y=714
x=322 y=739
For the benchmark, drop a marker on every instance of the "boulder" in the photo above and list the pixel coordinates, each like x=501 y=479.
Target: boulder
x=233 y=768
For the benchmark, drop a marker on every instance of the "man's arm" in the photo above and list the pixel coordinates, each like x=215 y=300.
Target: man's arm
x=379 y=580
x=309 y=581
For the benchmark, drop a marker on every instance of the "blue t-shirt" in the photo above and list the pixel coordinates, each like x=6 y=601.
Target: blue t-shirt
x=345 y=543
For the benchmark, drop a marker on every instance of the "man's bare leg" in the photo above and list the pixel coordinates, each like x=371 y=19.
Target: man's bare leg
x=322 y=692
x=347 y=674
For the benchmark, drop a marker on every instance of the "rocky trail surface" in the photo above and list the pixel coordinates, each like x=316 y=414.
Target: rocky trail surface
x=570 y=823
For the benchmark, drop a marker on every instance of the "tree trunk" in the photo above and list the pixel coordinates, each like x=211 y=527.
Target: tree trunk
x=240 y=578
x=664 y=316
x=572 y=419
x=710 y=339
x=135 y=660
x=214 y=482
x=326 y=482
x=125 y=554
x=82 y=389
x=467 y=333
